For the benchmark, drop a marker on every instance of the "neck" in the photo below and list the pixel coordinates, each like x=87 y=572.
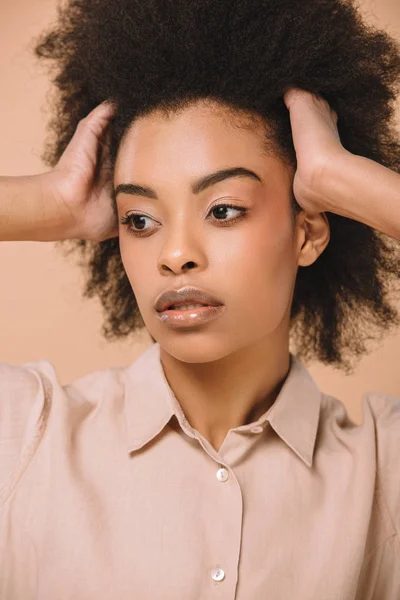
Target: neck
x=229 y=392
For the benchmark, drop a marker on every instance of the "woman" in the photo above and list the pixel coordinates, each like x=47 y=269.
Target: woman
x=243 y=141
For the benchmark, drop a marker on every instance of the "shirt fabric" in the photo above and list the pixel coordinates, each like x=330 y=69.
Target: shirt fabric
x=108 y=493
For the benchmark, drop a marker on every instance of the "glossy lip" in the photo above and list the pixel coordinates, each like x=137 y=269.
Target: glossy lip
x=189 y=317
x=185 y=295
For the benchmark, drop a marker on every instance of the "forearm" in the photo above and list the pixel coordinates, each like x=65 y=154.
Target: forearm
x=364 y=190
x=28 y=210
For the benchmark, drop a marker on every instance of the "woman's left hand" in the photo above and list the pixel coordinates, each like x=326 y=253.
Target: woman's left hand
x=317 y=143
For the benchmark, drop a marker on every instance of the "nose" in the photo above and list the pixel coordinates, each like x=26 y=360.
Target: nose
x=181 y=251
x=178 y=267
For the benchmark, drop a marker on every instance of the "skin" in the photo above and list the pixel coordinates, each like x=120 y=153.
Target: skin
x=240 y=361
x=330 y=178
x=228 y=372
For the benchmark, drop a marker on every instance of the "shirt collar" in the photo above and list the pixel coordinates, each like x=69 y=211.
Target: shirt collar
x=150 y=403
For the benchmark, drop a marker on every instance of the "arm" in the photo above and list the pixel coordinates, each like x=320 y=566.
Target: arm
x=330 y=178
x=28 y=210
x=364 y=190
x=69 y=202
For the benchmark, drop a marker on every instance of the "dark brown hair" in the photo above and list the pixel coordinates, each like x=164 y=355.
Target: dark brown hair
x=147 y=54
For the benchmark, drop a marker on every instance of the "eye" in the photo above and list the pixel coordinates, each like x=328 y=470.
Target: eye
x=136 y=218
x=220 y=209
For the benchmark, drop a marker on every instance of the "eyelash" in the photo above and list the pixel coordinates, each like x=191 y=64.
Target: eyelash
x=141 y=233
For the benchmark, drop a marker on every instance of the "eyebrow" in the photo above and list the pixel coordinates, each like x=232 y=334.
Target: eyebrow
x=197 y=187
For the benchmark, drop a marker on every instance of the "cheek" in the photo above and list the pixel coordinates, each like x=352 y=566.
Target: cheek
x=137 y=270
x=254 y=263
x=258 y=266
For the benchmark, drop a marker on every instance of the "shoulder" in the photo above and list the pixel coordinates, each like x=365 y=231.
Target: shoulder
x=380 y=420
x=34 y=383
x=31 y=396
x=24 y=392
x=381 y=409
x=25 y=400
x=385 y=411
x=376 y=440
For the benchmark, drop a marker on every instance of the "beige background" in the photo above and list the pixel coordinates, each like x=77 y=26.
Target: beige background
x=42 y=313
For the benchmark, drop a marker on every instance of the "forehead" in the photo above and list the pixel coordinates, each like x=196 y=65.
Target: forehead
x=204 y=131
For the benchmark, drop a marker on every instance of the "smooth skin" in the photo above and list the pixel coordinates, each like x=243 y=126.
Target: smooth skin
x=329 y=178
x=228 y=372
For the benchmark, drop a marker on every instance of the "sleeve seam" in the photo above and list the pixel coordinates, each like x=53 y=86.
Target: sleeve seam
x=381 y=489
x=27 y=453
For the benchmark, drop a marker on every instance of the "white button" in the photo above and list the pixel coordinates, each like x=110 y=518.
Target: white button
x=257 y=429
x=222 y=474
x=217 y=574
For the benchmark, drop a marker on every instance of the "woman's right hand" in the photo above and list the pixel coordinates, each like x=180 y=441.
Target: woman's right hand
x=82 y=180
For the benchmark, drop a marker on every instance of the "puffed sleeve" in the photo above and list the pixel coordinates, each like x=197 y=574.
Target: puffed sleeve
x=25 y=400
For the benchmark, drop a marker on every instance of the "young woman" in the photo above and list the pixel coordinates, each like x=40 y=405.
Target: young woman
x=241 y=187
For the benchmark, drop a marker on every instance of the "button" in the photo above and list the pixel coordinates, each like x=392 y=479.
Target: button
x=257 y=429
x=217 y=574
x=222 y=474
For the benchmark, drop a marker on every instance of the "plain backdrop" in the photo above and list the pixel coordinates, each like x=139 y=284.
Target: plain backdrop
x=42 y=312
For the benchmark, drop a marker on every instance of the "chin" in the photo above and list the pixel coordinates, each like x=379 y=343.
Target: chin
x=189 y=348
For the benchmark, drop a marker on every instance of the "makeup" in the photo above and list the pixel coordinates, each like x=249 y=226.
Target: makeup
x=190 y=317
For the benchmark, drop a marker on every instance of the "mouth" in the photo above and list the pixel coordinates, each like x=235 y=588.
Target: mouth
x=183 y=316
x=187 y=306
x=187 y=298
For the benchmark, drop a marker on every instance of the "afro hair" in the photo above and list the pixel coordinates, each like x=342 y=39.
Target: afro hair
x=244 y=54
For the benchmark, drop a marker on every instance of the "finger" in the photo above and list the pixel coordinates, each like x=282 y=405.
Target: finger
x=87 y=136
x=290 y=95
x=107 y=107
x=105 y=138
x=98 y=119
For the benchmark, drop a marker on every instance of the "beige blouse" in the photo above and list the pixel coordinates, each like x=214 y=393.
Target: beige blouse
x=108 y=493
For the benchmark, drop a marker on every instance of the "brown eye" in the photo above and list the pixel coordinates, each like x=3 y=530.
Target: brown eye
x=136 y=222
x=221 y=210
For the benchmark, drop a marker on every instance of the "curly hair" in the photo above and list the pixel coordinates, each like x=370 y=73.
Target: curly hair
x=244 y=54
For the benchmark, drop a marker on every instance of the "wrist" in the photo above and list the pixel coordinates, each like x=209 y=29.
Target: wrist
x=29 y=210
x=57 y=222
x=361 y=189
x=335 y=184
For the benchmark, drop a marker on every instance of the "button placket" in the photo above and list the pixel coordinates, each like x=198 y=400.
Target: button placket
x=222 y=475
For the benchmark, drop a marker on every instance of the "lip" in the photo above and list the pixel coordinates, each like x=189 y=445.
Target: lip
x=190 y=317
x=186 y=295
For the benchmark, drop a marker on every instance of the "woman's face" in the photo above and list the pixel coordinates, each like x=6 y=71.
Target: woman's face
x=246 y=256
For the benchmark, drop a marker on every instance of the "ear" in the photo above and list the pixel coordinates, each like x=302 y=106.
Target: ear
x=312 y=237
